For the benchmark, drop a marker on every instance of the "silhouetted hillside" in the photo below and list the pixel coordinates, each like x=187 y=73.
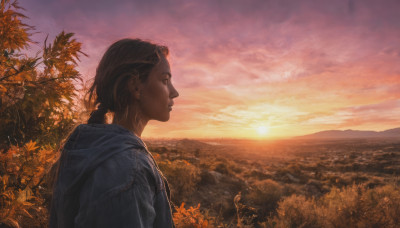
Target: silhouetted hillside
x=338 y=134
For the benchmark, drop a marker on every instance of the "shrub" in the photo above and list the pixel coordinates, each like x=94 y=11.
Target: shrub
x=221 y=167
x=247 y=216
x=342 y=207
x=382 y=206
x=354 y=206
x=265 y=194
x=297 y=211
x=192 y=217
x=258 y=175
x=182 y=176
x=236 y=168
x=37 y=110
x=23 y=172
x=207 y=178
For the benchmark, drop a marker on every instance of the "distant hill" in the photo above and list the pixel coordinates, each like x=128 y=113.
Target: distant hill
x=191 y=143
x=338 y=134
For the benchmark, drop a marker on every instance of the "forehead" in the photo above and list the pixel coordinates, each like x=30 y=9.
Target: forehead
x=163 y=66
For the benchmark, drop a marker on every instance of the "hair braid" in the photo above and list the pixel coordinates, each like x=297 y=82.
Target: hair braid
x=98 y=115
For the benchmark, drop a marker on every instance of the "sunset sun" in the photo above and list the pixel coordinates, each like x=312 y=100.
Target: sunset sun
x=262 y=130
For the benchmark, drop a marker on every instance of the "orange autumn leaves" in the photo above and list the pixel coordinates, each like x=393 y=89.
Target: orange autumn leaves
x=191 y=217
x=26 y=165
x=25 y=168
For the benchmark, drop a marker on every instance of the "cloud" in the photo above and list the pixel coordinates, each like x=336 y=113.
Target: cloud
x=378 y=113
x=307 y=64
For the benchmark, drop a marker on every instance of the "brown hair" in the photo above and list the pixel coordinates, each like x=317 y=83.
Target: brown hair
x=124 y=61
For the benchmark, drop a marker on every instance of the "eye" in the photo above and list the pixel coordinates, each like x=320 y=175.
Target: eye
x=165 y=81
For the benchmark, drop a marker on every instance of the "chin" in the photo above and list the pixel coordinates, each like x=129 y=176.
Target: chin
x=163 y=118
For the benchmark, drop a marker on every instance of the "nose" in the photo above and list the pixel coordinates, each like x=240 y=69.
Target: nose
x=174 y=93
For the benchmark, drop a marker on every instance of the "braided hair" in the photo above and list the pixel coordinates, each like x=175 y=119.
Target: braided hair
x=98 y=115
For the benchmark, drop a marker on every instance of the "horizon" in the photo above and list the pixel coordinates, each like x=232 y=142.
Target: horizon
x=297 y=137
x=260 y=70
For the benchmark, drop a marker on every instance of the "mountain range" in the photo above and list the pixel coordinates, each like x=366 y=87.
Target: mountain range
x=344 y=134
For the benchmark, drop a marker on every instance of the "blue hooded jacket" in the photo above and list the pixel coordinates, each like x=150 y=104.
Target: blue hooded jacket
x=107 y=178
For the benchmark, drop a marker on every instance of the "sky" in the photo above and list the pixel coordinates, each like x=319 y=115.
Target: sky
x=251 y=68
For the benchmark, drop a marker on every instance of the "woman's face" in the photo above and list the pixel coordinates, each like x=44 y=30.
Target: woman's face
x=157 y=93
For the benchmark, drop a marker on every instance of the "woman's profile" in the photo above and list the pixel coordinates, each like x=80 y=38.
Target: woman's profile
x=106 y=176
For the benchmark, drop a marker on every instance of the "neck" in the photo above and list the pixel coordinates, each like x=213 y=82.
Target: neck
x=136 y=126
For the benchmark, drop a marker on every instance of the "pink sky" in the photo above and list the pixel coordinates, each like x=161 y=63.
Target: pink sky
x=294 y=67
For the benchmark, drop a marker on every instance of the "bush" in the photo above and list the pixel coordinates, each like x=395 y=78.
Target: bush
x=192 y=217
x=221 y=167
x=22 y=195
x=207 y=178
x=382 y=206
x=236 y=168
x=297 y=211
x=342 y=207
x=37 y=110
x=266 y=195
x=182 y=176
x=258 y=175
x=354 y=206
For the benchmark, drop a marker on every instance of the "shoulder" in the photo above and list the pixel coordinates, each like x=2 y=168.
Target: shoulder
x=121 y=192
x=133 y=168
x=147 y=170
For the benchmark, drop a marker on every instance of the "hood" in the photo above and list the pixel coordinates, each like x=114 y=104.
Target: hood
x=86 y=148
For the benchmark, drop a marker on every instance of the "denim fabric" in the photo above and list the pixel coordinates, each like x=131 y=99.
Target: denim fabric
x=107 y=178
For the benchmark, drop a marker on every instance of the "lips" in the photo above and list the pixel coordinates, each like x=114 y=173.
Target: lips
x=170 y=105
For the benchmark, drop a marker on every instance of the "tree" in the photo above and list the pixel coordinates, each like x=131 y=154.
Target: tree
x=37 y=110
x=36 y=93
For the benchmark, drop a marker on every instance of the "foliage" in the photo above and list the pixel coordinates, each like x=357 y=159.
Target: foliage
x=183 y=178
x=246 y=215
x=297 y=211
x=14 y=35
x=265 y=194
x=222 y=167
x=192 y=217
x=36 y=93
x=23 y=170
x=37 y=110
x=353 y=206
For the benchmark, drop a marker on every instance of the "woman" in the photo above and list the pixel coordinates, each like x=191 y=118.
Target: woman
x=106 y=176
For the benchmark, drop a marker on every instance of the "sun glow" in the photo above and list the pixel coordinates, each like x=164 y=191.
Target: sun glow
x=262 y=130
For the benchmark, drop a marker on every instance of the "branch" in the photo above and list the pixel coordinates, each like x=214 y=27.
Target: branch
x=27 y=65
x=7 y=76
x=41 y=82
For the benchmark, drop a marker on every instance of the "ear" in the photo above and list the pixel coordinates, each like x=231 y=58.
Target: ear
x=134 y=89
x=136 y=93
